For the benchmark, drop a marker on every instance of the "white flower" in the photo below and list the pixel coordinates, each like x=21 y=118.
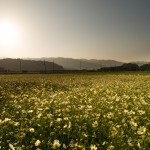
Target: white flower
x=93 y=147
x=143 y=102
x=111 y=147
x=31 y=130
x=49 y=115
x=141 y=130
x=114 y=131
x=126 y=111
x=11 y=147
x=85 y=135
x=94 y=124
x=16 y=124
x=104 y=143
x=37 y=143
x=89 y=107
x=141 y=112
x=130 y=142
x=39 y=115
x=6 y=120
x=110 y=115
x=133 y=124
x=64 y=146
x=56 y=144
x=139 y=146
x=117 y=99
x=66 y=118
x=69 y=125
x=59 y=119
x=30 y=111
x=65 y=126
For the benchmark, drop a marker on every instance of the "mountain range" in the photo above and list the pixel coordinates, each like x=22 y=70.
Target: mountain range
x=88 y=64
x=9 y=64
x=80 y=64
x=58 y=63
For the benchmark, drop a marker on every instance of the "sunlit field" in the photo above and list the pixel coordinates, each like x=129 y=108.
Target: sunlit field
x=75 y=111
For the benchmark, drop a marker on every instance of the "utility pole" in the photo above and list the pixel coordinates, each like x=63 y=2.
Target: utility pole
x=20 y=65
x=100 y=65
x=44 y=66
x=80 y=65
x=53 y=66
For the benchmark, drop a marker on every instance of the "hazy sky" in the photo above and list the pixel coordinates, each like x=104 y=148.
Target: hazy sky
x=99 y=29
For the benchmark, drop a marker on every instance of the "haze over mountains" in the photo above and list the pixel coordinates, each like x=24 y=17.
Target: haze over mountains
x=80 y=64
x=58 y=63
x=89 y=64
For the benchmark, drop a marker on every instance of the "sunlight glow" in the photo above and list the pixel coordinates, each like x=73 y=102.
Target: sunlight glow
x=9 y=34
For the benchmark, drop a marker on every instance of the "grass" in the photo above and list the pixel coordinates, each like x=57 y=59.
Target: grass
x=100 y=111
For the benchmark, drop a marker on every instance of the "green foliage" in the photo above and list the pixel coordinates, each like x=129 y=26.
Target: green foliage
x=86 y=111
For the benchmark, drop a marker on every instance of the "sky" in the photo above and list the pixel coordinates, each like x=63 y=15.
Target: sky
x=92 y=29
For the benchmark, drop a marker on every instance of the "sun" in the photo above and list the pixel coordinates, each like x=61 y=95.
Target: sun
x=9 y=34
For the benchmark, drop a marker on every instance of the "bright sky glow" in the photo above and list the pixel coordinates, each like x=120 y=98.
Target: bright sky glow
x=9 y=34
x=93 y=29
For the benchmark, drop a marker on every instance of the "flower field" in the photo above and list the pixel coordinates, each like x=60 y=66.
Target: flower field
x=75 y=111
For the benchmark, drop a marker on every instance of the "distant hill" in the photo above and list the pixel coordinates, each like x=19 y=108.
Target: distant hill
x=59 y=63
x=127 y=67
x=28 y=65
x=145 y=67
x=77 y=64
